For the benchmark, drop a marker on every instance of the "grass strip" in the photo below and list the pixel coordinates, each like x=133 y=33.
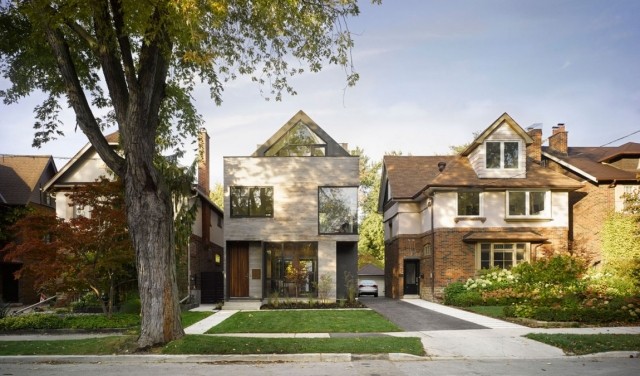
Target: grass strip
x=580 y=344
x=90 y=346
x=202 y=344
x=305 y=321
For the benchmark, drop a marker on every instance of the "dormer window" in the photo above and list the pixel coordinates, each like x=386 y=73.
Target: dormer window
x=502 y=155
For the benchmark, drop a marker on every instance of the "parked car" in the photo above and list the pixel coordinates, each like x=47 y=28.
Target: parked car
x=367 y=287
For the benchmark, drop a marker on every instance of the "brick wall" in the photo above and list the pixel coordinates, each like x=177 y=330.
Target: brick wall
x=590 y=206
x=454 y=259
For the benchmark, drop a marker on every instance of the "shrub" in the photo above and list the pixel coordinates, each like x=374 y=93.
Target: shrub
x=4 y=309
x=457 y=294
x=555 y=270
x=131 y=306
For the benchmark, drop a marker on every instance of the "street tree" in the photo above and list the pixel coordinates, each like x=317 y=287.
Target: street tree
x=89 y=252
x=134 y=64
x=371 y=242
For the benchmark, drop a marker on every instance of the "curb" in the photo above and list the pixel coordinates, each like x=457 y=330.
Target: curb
x=249 y=358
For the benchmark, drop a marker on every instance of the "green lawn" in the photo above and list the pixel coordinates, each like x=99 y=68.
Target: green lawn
x=580 y=344
x=202 y=344
x=491 y=311
x=42 y=321
x=306 y=321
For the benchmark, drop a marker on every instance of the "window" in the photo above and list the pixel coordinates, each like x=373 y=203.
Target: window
x=468 y=204
x=502 y=154
x=529 y=204
x=291 y=268
x=338 y=210
x=502 y=255
x=300 y=141
x=251 y=201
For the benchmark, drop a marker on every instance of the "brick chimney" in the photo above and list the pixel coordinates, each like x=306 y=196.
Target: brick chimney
x=534 y=151
x=558 y=141
x=203 y=161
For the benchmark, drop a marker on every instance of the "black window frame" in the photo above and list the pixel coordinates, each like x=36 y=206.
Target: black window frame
x=248 y=213
x=350 y=228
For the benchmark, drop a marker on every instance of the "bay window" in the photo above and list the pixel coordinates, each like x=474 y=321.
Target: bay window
x=502 y=255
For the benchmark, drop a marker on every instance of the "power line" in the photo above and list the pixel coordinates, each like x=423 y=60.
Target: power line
x=621 y=138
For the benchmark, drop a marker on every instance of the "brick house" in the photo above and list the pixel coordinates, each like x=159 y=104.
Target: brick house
x=445 y=217
x=291 y=206
x=22 y=178
x=606 y=173
x=199 y=275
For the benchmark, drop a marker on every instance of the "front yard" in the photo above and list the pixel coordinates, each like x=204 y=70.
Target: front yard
x=303 y=321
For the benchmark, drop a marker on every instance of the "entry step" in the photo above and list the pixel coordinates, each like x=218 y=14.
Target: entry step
x=242 y=305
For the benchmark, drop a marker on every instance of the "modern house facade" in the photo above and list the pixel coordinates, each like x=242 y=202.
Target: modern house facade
x=493 y=205
x=606 y=174
x=291 y=215
x=22 y=178
x=199 y=273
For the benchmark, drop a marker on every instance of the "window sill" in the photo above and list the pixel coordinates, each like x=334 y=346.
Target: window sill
x=528 y=219
x=458 y=219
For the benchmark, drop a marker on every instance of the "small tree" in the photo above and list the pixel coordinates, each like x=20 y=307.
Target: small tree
x=324 y=286
x=87 y=252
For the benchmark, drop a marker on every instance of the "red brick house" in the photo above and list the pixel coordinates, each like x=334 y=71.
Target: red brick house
x=494 y=204
x=606 y=173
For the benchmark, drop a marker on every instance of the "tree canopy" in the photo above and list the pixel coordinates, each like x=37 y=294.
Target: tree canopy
x=135 y=64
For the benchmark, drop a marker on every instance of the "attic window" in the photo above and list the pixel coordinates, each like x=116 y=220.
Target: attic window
x=299 y=141
x=502 y=154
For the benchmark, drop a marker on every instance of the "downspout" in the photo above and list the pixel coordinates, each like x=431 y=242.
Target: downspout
x=433 y=250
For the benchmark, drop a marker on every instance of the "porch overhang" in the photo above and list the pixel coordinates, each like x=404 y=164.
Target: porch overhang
x=503 y=236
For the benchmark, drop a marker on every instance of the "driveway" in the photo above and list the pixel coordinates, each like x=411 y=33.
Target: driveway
x=412 y=318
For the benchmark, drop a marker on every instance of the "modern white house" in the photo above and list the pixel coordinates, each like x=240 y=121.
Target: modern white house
x=291 y=215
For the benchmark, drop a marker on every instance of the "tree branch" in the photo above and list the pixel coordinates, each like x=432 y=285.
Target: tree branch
x=113 y=73
x=123 y=40
x=78 y=100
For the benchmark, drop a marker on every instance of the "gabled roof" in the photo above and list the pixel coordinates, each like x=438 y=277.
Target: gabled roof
x=112 y=138
x=19 y=176
x=371 y=269
x=504 y=118
x=409 y=176
x=589 y=162
x=333 y=149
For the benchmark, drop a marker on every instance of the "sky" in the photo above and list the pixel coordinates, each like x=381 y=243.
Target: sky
x=431 y=74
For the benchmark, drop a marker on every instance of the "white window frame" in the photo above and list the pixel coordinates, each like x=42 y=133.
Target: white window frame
x=546 y=214
x=515 y=261
x=480 y=205
x=502 y=167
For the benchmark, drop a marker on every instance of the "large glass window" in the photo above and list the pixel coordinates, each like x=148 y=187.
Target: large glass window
x=468 y=204
x=300 y=141
x=338 y=210
x=528 y=204
x=502 y=154
x=291 y=269
x=251 y=201
x=502 y=255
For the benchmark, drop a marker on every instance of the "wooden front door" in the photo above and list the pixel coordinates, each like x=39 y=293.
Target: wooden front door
x=238 y=270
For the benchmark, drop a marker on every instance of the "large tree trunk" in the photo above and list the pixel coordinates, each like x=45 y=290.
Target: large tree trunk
x=150 y=214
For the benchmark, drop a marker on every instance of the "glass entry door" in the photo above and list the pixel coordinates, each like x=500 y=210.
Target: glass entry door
x=411 y=277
